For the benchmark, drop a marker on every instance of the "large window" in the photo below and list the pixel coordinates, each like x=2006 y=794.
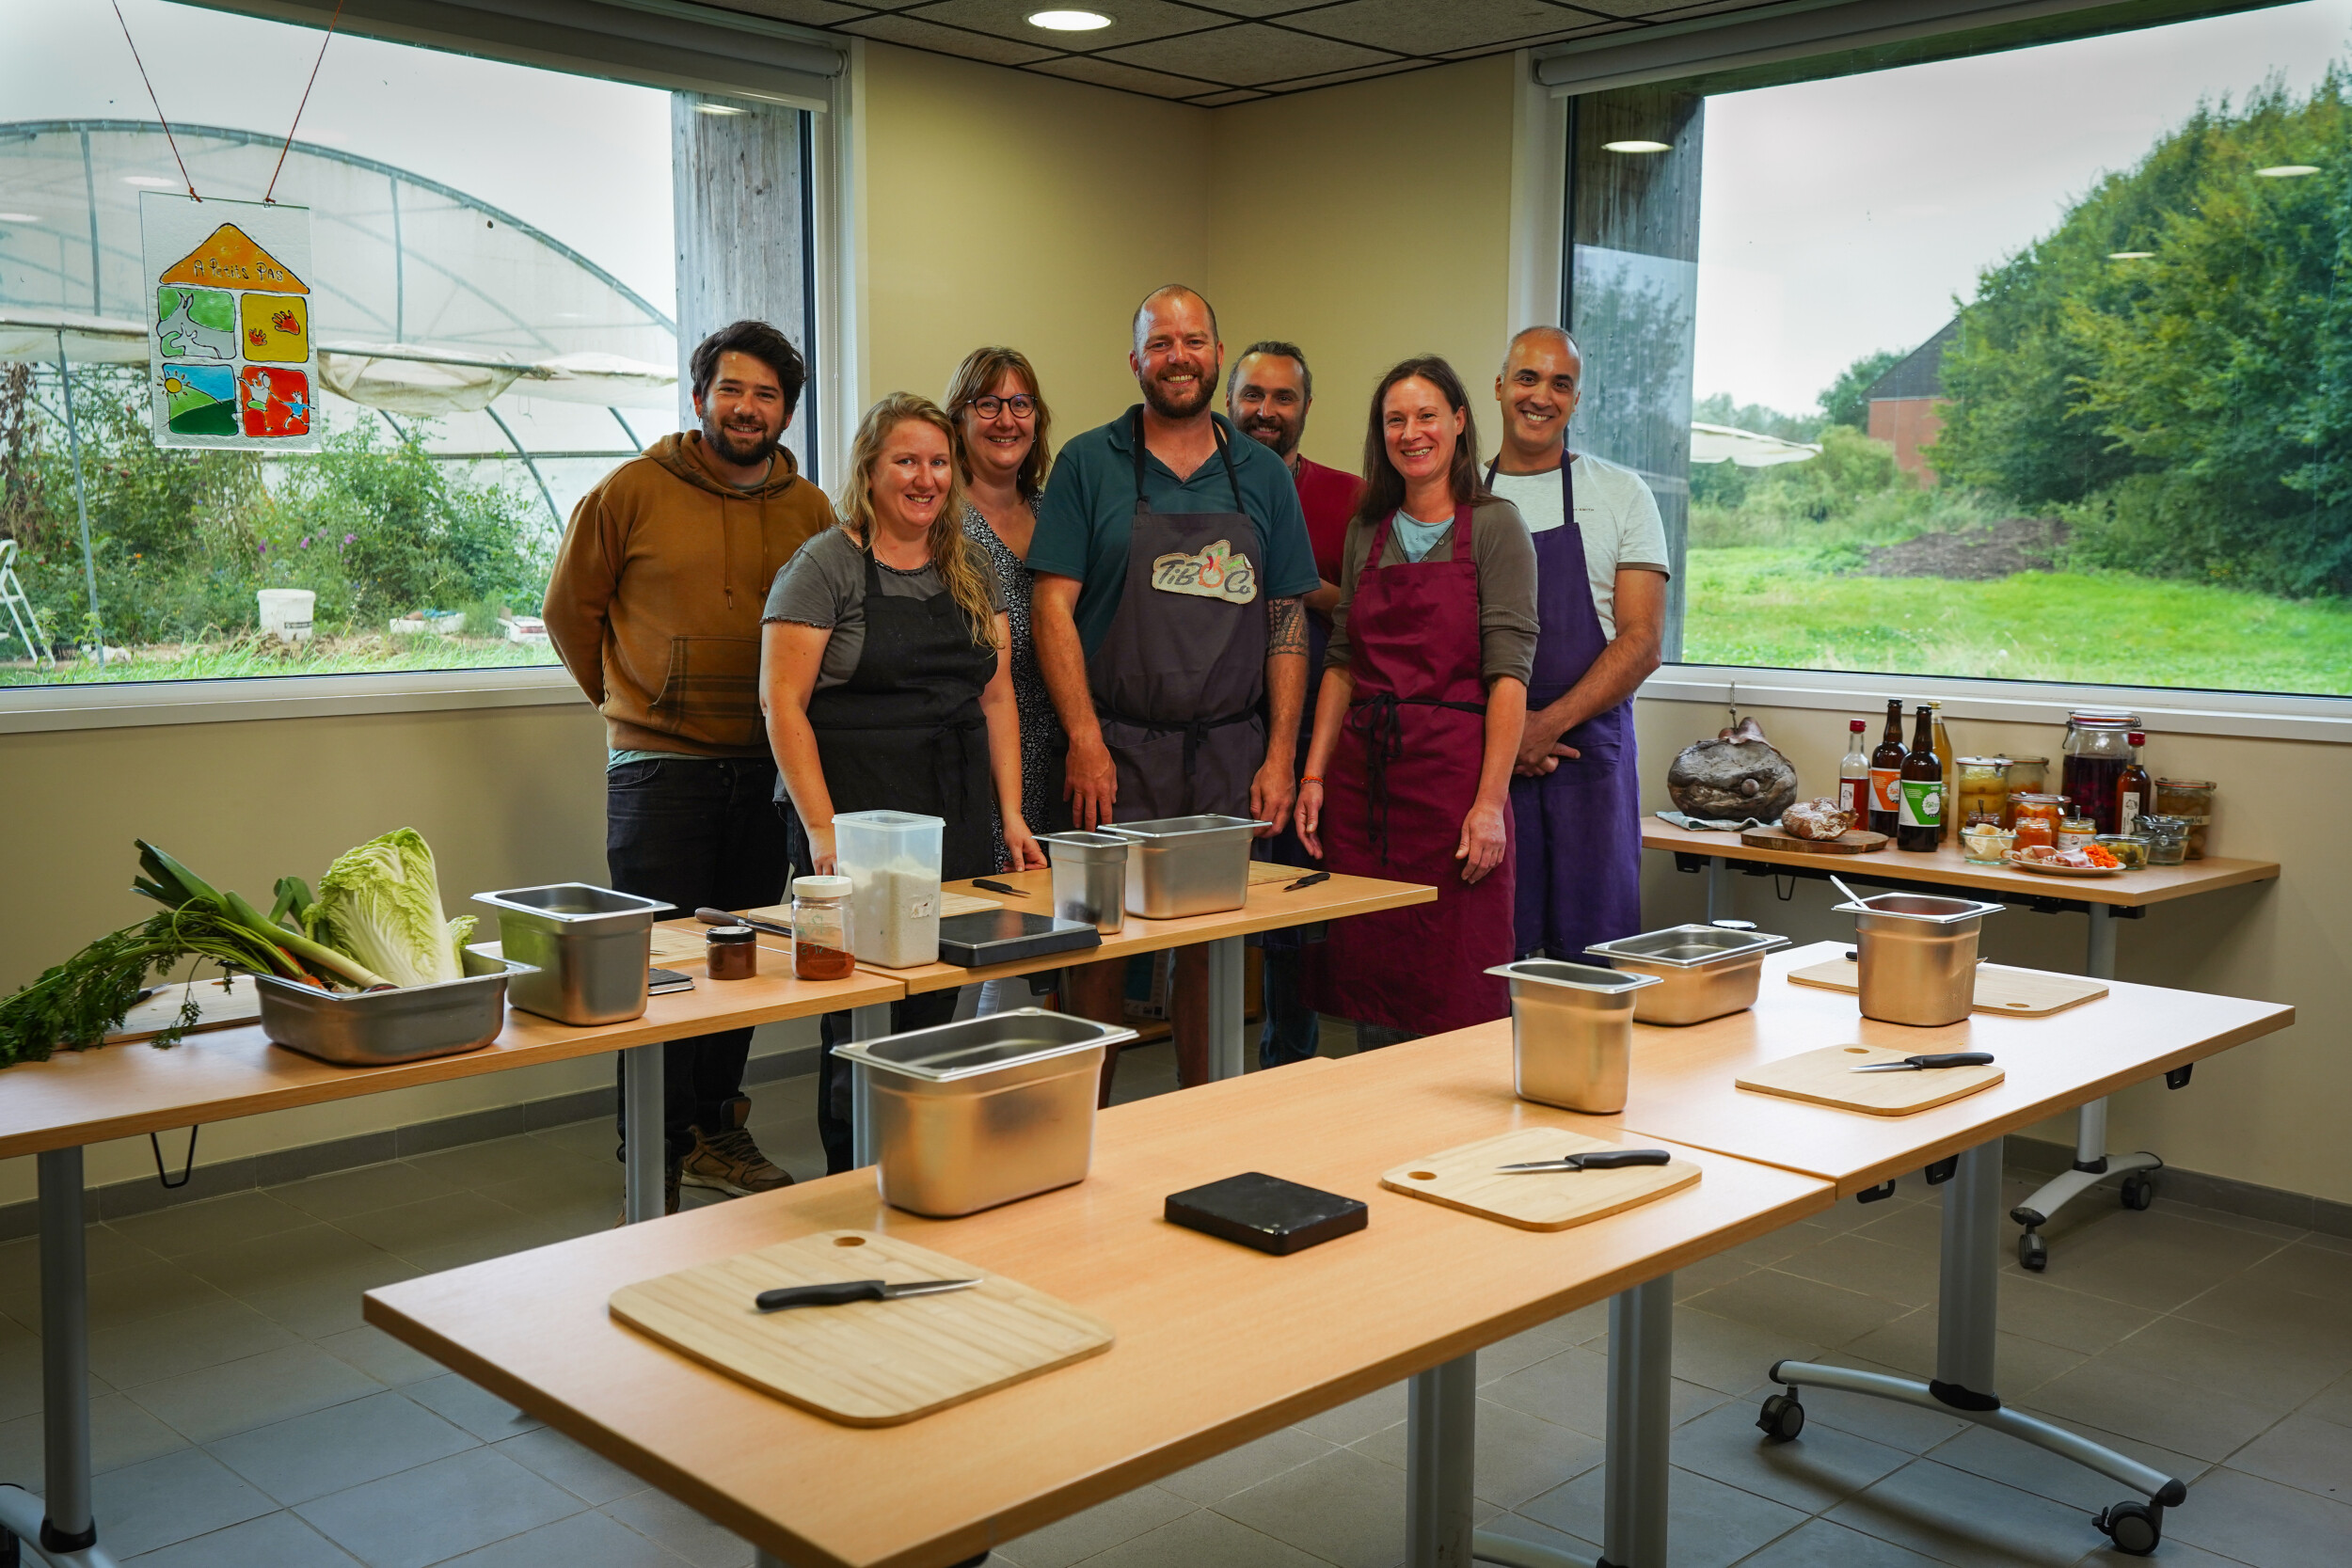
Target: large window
x=2033 y=364
x=495 y=323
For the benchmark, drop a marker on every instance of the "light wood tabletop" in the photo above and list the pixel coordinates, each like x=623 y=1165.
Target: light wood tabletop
x=1216 y=1344
x=1949 y=866
x=1681 y=1085
x=86 y=1096
x=1270 y=907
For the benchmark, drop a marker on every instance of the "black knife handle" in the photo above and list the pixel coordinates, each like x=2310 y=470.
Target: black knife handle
x=1610 y=1159
x=1000 y=887
x=1957 y=1058
x=839 y=1293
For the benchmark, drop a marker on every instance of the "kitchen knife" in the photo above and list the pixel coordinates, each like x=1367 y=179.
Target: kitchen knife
x=1000 y=887
x=1919 y=1064
x=1599 y=1158
x=720 y=917
x=842 y=1292
x=1308 y=880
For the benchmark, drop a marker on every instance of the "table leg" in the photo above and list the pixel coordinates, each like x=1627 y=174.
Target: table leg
x=1227 y=1024
x=1967 y=1322
x=1718 y=891
x=59 y=1528
x=1641 y=1390
x=645 y=1150
x=1441 y=1451
x=870 y=1023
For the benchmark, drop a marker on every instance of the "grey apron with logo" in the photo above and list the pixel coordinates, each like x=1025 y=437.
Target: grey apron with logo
x=1178 y=677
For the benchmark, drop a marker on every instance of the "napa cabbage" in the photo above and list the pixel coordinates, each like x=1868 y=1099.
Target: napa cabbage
x=379 y=903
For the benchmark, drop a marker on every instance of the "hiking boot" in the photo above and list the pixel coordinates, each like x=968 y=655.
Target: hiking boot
x=728 y=1161
x=668 y=1194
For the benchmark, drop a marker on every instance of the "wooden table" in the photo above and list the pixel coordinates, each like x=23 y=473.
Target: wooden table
x=2102 y=900
x=1414 y=1296
x=53 y=1109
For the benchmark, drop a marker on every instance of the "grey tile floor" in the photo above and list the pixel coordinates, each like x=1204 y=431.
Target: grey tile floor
x=245 y=1417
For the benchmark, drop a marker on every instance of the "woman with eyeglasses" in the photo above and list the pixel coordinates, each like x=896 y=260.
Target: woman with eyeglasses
x=1001 y=427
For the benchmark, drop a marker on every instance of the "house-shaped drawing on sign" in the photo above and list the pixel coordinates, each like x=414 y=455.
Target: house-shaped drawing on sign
x=1907 y=403
x=271 y=327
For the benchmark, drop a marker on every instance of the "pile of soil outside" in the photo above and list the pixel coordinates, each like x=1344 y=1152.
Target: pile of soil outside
x=1972 y=555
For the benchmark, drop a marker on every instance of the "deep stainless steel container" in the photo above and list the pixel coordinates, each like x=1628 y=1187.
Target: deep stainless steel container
x=1571 y=1033
x=973 y=1114
x=377 y=1028
x=1187 y=864
x=1919 y=956
x=587 y=947
x=1090 y=878
x=1703 y=970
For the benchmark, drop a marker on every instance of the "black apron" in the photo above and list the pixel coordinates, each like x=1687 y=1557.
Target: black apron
x=1178 y=678
x=905 y=731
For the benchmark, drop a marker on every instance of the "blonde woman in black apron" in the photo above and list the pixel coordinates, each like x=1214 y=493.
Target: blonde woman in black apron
x=886 y=677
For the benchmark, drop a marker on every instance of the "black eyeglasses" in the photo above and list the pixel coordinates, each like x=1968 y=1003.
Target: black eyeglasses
x=1022 y=404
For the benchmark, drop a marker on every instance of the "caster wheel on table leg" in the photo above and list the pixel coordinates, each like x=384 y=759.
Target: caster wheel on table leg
x=2032 y=1252
x=2140 y=1190
x=1781 y=1419
x=2134 y=1526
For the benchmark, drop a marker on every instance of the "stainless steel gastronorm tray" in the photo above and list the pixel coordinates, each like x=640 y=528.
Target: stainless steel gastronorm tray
x=377 y=1028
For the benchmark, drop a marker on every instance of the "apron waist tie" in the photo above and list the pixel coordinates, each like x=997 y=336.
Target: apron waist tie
x=1196 y=729
x=1384 y=742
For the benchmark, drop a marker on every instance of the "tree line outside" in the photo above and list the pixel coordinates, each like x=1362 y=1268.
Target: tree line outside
x=2149 y=426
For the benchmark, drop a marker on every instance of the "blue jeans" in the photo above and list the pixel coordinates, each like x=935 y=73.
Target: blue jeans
x=695 y=832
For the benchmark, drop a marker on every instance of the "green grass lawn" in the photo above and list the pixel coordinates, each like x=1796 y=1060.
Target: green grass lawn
x=249 y=656
x=1778 y=607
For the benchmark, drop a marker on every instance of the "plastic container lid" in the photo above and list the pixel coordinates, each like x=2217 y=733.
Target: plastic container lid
x=821 y=888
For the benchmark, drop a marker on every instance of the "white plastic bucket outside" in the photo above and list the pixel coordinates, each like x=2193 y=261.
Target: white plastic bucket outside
x=286 y=613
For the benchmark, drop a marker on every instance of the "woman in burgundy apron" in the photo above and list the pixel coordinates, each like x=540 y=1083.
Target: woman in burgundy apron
x=1407 y=776
x=1579 y=826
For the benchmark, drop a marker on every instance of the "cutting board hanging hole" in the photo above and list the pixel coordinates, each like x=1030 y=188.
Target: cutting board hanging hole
x=848 y=1241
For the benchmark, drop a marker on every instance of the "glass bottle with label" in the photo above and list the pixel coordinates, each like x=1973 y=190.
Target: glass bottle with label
x=1950 y=764
x=1920 y=826
x=1886 y=767
x=2135 y=792
x=1853 y=776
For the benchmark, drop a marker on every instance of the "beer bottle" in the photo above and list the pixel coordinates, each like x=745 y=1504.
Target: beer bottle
x=1886 y=767
x=1920 y=827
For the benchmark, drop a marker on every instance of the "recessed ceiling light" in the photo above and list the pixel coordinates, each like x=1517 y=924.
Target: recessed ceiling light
x=2129 y=255
x=1069 y=22
x=718 y=109
x=18 y=217
x=2287 y=171
x=1636 y=147
x=151 y=182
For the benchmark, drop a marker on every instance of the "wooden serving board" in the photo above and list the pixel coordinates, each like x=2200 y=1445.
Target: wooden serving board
x=1853 y=841
x=2017 y=992
x=217 y=1007
x=1825 y=1077
x=1465 y=1178
x=872 y=1363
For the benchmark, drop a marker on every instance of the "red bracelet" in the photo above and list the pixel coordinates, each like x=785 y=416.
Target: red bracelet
x=1310 y=778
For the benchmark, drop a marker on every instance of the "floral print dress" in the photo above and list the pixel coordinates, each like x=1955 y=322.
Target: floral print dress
x=1044 y=750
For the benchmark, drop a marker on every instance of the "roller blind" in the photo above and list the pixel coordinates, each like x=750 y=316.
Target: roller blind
x=671 y=44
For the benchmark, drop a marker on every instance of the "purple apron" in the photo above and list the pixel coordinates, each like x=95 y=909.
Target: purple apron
x=1579 y=826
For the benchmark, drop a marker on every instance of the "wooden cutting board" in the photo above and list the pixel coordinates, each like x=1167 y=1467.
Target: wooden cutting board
x=1465 y=1178
x=1854 y=841
x=872 y=1363
x=217 y=1007
x=1825 y=1077
x=2018 y=992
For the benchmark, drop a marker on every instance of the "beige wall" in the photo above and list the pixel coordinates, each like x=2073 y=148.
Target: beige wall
x=2273 y=1112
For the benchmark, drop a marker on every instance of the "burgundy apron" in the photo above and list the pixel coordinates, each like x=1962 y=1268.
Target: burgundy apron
x=1403 y=777
x=1177 y=679
x=1579 y=826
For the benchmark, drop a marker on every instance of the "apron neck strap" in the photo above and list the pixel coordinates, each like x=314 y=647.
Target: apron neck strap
x=1461 y=537
x=1135 y=432
x=1567 y=482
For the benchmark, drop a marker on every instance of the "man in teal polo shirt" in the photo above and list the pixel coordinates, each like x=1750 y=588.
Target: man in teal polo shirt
x=1172 y=560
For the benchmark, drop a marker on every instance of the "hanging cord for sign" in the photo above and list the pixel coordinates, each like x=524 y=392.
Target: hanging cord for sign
x=305 y=98
x=159 y=108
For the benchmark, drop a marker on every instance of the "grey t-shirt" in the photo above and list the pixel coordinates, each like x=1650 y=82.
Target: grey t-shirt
x=1507 y=587
x=824 y=585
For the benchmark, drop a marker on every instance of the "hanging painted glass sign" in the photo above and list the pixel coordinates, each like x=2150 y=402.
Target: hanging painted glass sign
x=232 y=355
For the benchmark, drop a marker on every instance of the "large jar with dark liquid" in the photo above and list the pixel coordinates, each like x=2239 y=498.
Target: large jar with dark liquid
x=2098 y=749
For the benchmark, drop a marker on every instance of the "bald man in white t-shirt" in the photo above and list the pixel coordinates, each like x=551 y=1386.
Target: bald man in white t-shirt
x=1600 y=597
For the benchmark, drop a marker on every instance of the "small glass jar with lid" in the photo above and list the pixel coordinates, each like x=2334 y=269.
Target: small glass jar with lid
x=2037 y=818
x=2167 y=836
x=2191 y=800
x=1983 y=790
x=820 y=929
x=2076 y=833
x=2024 y=776
x=733 y=952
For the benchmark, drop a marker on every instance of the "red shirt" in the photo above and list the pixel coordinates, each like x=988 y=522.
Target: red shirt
x=1327 y=496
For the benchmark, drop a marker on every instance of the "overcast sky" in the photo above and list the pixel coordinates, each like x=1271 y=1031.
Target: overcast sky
x=1842 y=217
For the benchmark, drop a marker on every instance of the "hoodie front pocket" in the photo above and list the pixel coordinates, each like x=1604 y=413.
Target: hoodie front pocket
x=711 y=692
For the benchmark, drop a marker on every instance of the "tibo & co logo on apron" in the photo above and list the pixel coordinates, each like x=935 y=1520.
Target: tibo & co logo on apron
x=1217 y=572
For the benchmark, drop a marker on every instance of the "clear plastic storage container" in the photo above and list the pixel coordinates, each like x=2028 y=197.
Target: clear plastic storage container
x=892 y=861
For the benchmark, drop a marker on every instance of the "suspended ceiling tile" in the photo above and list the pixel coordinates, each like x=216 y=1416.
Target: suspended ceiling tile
x=947 y=40
x=1709 y=7
x=815 y=13
x=1590 y=29
x=1248 y=55
x=1417 y=28
x=1238 y=95
x=1333 y=78
x=1127 y=78
x=1132 y=22
x=1667 y=11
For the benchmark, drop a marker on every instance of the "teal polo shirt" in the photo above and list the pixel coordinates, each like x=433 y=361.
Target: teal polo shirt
x=1088 y=515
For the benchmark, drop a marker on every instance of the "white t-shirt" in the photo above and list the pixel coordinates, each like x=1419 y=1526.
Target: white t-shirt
x=1615 y=512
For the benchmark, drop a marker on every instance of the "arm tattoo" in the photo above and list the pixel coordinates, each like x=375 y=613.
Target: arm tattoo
x=1286 y=628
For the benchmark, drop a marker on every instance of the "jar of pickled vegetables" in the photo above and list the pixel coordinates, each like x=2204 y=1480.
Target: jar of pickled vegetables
x=2129 y=848
x=2036 y=819
x=2024 y=776
x=2167 y=836
x=1983 y=790
x=2191 y=800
